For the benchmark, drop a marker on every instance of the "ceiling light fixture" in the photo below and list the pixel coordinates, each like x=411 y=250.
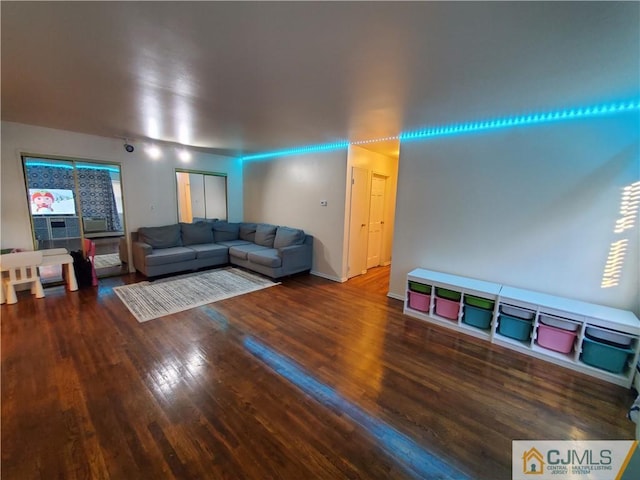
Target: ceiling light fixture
x=184 y=155
x=154 y=152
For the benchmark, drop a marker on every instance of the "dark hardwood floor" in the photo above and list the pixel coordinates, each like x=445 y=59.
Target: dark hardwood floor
x=308 y=379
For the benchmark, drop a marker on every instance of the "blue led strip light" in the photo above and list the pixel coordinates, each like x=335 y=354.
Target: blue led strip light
x=415 y=459
x=461 y=128
x=293 y=151
x=70 y=167
x=532 y=119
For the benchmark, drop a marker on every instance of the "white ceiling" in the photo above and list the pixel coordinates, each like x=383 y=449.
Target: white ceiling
x=256 y=76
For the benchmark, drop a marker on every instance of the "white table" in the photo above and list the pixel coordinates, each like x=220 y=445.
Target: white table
x=60 y=256
x=56 y=256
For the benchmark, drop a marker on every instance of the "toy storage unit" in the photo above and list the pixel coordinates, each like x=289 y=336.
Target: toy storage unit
x=600 y=341
x=455 y=302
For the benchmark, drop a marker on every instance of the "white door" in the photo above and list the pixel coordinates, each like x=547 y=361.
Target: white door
x=358 y=225
x=376 y=220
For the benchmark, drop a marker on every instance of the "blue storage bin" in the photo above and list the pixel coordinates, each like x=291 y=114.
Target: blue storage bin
x=603 y=356
x=477 y=317
x=513 y=327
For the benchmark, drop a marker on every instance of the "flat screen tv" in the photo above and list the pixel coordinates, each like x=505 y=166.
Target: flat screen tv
x=51 y=201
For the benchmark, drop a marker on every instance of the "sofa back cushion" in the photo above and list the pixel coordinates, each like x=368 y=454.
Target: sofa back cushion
x=161 y=237
x=202 y=219
x=265 y=235
x=196 y=233
x=286 y=237
x=248 y=232
x=225 y=232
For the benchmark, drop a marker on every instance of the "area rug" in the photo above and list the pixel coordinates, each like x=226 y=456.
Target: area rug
x=149 y=300
x=107 y=260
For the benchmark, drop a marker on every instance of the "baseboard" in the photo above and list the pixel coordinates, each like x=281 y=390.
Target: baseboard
x=384 y=264
x=328 y=277
x=395 y=296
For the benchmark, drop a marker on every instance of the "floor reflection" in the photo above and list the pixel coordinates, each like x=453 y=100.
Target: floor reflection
x=411 y=456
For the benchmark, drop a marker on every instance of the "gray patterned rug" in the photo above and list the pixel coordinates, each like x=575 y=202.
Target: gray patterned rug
x=149 y=300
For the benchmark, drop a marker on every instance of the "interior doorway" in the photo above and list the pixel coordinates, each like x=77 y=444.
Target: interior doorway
x=372 y=182
x=359 y=220
x=376 y=220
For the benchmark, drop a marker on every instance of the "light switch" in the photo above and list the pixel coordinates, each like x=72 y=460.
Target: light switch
x=323 y=203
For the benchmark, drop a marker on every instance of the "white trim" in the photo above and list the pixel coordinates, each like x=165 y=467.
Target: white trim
x=396 y=296
x=328 y=277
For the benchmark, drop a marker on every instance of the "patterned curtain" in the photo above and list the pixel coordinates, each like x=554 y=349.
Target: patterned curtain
x=41 y=176
x=97 y=198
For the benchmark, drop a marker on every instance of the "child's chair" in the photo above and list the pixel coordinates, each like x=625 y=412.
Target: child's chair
x=90 y=253
x=21 y=267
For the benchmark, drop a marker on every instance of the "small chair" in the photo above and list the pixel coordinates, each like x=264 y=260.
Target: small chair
x=21 y=267
x=90 y=253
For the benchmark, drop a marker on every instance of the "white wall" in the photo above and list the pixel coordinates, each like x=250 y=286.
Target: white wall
x=532 y=207
x=149 y=186
x=288 y=190
x=373 y=162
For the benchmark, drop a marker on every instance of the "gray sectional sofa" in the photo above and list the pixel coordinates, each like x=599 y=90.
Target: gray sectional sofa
x=275 y=251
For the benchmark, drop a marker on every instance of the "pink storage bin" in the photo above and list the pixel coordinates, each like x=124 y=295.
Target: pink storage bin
x=555 y=338
x=447 y=308
x=419 y=301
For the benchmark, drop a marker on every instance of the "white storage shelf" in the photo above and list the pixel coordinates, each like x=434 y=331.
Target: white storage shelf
x=569 y=314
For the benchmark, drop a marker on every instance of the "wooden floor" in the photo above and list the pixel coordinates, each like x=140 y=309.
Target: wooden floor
x=308 y=379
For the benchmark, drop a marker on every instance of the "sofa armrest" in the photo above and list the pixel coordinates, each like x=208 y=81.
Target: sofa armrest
x=140 y=250
x=296 y=257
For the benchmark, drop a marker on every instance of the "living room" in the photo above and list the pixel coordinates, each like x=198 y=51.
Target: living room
x=534 y=206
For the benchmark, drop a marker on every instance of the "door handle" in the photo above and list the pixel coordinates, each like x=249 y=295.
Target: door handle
x=363 y=225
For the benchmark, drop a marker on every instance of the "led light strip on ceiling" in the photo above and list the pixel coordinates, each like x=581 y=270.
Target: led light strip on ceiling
x=469 y=127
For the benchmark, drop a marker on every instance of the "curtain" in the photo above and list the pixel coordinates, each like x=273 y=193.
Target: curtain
x=41 y=176
x=97 y=198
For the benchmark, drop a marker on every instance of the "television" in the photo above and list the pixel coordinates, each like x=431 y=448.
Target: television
x=51 y=201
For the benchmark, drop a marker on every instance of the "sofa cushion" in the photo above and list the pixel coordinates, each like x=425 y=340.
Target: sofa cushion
x=248 y=232
x=233 y=243
x=268 y=258
x=209 y=250
x=241 y=251
x=195 y=233
x=285 y=237
x=265 y=234
x=163 y=256
x=161 y=237
x=224 y=231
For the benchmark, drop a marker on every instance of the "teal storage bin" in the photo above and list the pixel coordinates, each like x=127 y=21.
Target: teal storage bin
x=477 y=317
x=513 y=327
x=603 y=356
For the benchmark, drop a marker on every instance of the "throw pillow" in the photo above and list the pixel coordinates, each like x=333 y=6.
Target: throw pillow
x=248 y=232
x=161 y=237
x=195 y=233
x=286 y=237
x=225 y=232
x=265 y=235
